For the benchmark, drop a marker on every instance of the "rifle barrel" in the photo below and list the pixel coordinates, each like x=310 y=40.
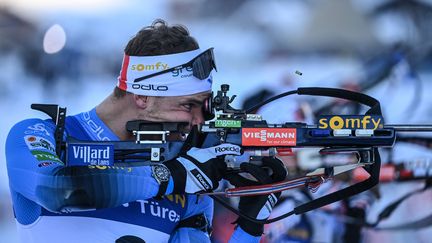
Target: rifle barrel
x=411 y=128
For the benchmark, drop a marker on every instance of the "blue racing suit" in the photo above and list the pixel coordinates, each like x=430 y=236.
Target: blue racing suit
x=55 y=203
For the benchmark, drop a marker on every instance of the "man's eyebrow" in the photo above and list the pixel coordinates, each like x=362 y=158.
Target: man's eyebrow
x=193 y=100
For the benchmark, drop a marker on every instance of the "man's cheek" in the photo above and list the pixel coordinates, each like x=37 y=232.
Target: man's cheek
x=178 y=116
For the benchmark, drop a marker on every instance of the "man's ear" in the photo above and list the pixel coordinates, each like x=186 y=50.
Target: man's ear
x=141 y=101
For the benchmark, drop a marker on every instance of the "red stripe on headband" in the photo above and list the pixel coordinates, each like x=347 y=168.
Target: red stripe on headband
x=123 y=73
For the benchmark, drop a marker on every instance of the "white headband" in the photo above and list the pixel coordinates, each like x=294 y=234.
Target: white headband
x=177 y=83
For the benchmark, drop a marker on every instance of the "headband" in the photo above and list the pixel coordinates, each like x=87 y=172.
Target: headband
x=179 y=82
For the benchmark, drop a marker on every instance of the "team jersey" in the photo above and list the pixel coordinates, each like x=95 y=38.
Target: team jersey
x=56 y=203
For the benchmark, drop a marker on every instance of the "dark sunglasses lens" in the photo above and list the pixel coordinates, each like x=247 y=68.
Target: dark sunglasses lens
x=203 y=65
x=212 y=59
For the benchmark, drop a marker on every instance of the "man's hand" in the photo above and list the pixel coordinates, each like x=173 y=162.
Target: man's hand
x=200 y=169
x=258 y=207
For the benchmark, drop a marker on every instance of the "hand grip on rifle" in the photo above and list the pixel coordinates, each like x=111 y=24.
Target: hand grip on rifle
x=199 y=169
x=258 y=207
x=254 y=157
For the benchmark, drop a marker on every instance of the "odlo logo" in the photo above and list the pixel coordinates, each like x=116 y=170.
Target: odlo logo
x=150 y=87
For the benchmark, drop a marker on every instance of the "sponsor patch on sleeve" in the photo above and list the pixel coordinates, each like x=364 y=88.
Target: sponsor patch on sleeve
x=48 y=157
x=38 y=143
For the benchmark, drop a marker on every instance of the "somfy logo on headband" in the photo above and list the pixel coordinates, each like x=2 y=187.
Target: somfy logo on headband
x=149 y=67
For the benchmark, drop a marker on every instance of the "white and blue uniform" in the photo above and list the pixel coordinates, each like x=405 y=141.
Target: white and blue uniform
x=55 y=203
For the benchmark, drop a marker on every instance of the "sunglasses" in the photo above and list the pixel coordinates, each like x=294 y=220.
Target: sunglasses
x=202 y=65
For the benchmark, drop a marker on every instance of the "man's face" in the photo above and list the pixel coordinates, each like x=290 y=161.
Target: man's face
x=177 y=109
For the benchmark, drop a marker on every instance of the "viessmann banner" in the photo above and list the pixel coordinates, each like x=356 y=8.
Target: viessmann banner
x=269 y=137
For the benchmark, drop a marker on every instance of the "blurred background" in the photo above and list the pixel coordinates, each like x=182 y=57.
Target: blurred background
x=70 y=52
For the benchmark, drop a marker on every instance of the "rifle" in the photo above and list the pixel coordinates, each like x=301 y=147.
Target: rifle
x=360 y=135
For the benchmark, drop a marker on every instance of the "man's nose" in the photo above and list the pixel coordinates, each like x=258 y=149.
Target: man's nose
x=198 y=117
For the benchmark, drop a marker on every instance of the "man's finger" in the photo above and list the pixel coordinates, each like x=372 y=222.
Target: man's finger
x=278 y=168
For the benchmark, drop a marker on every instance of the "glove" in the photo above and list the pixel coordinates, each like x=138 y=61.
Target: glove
x=197 y=170
x=258 y=207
